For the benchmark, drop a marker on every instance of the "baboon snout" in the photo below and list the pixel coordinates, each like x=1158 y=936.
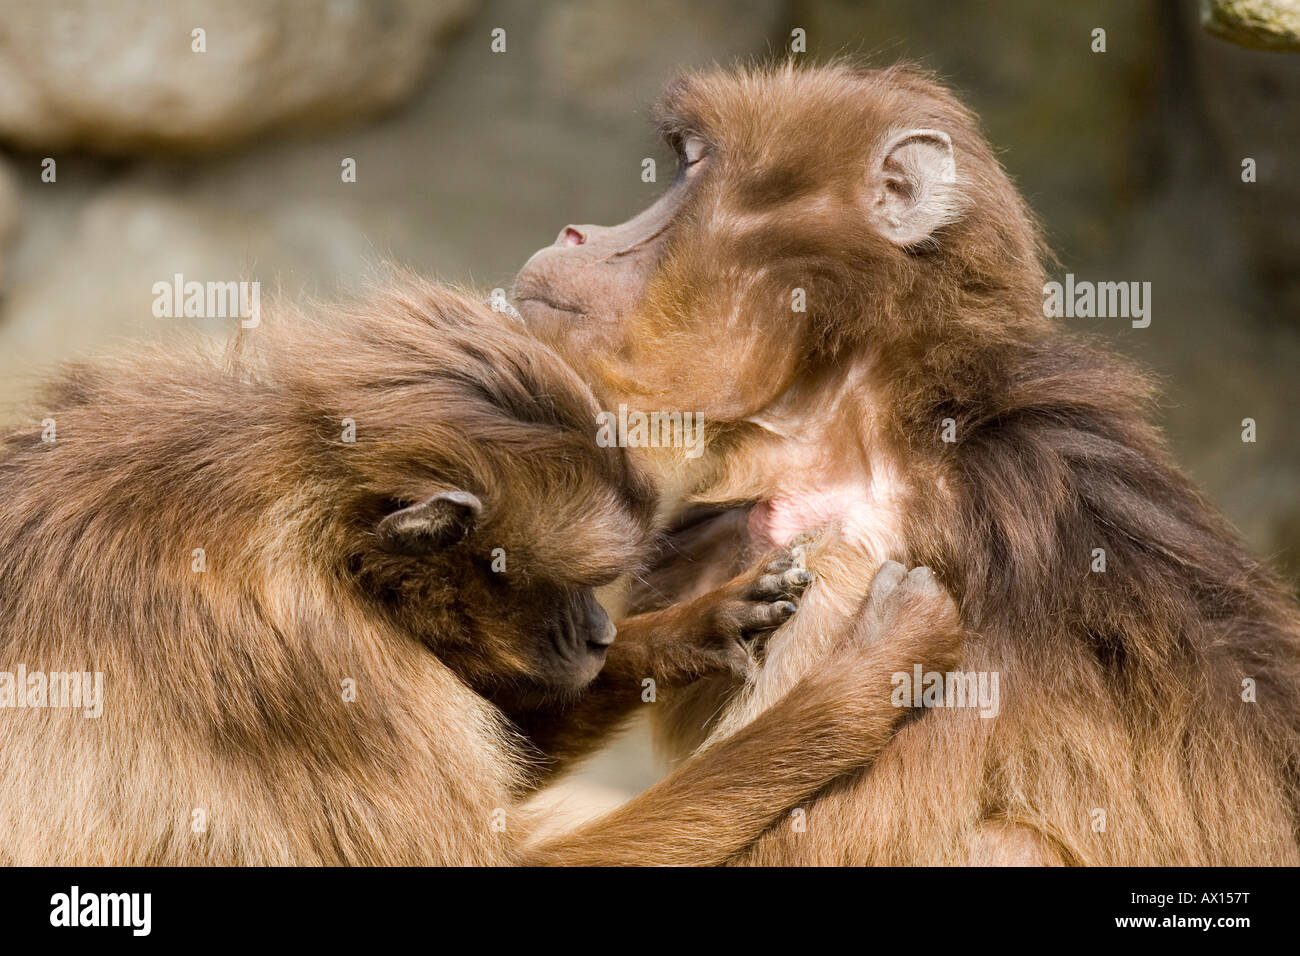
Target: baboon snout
x=597 y=626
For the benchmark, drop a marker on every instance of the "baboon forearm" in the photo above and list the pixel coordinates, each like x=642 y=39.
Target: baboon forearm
x=721 y=800
x=663 y=646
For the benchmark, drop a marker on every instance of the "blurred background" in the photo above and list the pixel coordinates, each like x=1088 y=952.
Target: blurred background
x=227 y=164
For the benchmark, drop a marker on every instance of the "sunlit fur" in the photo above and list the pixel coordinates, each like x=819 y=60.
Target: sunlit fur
x=1123 y=736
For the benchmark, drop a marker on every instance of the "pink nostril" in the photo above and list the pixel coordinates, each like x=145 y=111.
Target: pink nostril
x=571 y=237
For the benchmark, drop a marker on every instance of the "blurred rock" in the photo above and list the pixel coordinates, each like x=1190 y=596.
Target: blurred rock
x=122 y=77
x=1261 y=24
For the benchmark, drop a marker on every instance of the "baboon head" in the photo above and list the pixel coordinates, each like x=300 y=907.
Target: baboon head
x=476 y=508
x=818 y=217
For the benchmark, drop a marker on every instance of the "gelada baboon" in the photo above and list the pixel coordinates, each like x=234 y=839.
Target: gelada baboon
x=845 y=284
x=317 y=579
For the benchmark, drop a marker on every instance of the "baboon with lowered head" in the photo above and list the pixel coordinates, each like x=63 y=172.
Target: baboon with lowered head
x=326 y=582
x=845 y=284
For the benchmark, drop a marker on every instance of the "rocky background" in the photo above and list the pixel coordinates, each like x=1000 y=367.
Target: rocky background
x=226 y=164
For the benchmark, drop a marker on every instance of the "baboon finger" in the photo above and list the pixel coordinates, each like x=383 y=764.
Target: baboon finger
x=887 y=580
x=782 y=562
x=869 y=624
x=761 y=617
x=921 y=580
x=770 y=587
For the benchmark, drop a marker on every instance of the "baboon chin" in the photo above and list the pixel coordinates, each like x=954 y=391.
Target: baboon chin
x=844 y=283
x=339 y=586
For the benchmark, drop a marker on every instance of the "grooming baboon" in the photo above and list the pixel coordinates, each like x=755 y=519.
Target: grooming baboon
x=846 y=286
x=287 y=566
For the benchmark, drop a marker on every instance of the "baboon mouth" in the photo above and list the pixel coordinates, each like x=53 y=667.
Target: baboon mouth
x=533 y=300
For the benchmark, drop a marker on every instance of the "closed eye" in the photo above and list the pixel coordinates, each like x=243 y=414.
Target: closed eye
x=694 y=149
x=599 y=579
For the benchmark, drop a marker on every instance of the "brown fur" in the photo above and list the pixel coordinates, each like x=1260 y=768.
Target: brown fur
x=224 y=688
x=1122 y=691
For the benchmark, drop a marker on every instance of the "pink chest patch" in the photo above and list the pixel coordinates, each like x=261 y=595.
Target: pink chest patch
x=778 y=521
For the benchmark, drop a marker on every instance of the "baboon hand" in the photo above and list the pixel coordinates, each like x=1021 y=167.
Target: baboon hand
x=909 y=618
x=749 y=607
x=764 y=598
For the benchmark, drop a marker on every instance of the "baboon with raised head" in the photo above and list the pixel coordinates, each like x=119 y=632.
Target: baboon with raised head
x=845 y=284
x=325 y=579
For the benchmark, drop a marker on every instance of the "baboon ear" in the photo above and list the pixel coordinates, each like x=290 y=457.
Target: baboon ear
x=914 y=187
x=432 y=525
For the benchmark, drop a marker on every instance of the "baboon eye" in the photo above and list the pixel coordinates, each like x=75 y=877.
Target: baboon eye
x=693 y=150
